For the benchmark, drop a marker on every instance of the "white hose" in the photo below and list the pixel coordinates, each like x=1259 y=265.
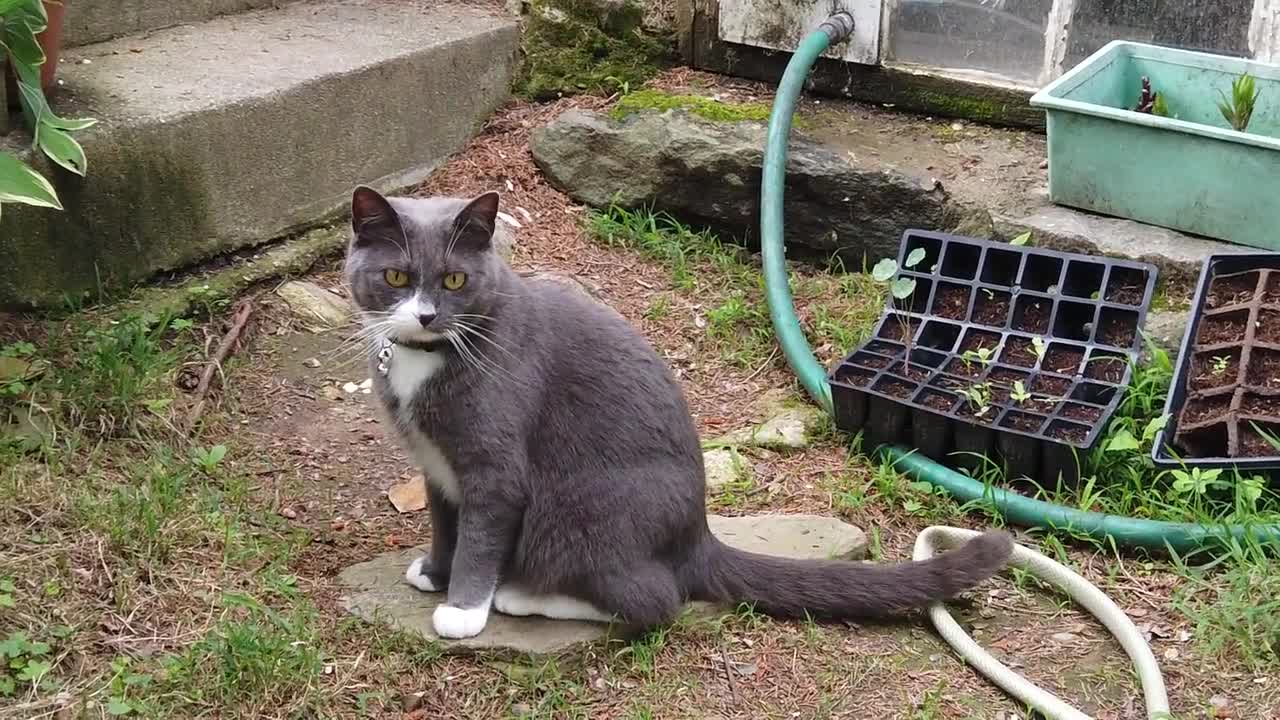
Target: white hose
x=938 y=537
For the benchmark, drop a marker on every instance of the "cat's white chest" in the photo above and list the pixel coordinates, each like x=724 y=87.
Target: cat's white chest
x=406 y=372
x=410 y=368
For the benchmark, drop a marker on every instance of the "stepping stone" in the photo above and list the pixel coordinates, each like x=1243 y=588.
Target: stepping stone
x=725 y=466
x=378 y=593
x=315 y=306
x=785 y=427
x=794 y=536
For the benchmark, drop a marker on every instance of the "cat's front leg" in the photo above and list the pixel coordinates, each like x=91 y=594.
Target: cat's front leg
x=430 y=573
x=487 y=530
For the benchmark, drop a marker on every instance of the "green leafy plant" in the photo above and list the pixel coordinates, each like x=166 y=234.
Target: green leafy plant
x=900 y=288
x=1019 y=393
x=982 y=356
x=979 y=397
x=1195 y=482
x=1238 y=107
x=1022 y=239
x=208 y=459
x=25 y=664
x=20 y=22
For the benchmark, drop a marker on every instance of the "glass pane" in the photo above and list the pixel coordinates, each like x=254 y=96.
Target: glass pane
x=1002 y=37
x=1218 y=26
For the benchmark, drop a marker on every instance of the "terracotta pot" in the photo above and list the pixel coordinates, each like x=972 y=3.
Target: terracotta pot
x=51 y=42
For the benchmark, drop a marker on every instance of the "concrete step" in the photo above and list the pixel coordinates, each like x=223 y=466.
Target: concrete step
x=91 y=21
x=241 y=129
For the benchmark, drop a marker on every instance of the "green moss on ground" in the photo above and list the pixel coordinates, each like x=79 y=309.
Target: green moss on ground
x=570 y=48
x=703 y=107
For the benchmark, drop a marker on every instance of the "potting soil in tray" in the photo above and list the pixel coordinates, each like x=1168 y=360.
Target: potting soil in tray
x=1013 y=354
x=1225 y=396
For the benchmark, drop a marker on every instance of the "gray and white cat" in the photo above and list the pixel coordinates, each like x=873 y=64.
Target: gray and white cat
x=564 y=471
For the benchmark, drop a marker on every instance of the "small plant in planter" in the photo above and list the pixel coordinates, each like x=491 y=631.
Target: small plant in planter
x=901 y=288
x=20 y=22
x=1238 y=107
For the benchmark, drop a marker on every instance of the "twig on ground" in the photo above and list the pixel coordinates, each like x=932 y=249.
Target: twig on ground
x=214 y=366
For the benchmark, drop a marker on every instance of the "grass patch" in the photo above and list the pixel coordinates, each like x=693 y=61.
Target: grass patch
x=699 y=105
x=568 y=51
x=837 y=310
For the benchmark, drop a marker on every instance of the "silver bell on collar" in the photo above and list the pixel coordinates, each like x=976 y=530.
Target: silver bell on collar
x=384 y=357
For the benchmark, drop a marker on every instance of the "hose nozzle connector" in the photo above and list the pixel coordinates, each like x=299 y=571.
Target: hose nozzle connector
x=838 y=27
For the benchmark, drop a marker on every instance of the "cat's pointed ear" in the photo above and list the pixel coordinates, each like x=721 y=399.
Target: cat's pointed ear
x=372 y=218
x=475 y=224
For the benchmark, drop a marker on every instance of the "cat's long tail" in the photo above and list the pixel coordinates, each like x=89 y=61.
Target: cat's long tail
x=785 y=587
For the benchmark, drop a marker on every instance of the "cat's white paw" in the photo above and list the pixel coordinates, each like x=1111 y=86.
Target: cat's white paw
x=414 y=576
x=455 y=622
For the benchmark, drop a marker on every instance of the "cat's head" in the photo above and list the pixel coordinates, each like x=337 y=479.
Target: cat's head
x=421 y=268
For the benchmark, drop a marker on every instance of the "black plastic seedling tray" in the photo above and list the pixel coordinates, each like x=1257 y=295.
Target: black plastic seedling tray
x=1227 y=383
x=1065 y=326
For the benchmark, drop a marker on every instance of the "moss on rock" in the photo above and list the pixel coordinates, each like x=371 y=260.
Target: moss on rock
x=576 y=46
x=703 y=107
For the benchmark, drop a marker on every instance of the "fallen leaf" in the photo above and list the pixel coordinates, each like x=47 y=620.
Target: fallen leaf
x=410 y=495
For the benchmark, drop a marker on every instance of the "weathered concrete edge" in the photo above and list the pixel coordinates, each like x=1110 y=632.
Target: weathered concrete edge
x=273 y=261
x=91 y=21
x=700 y=47
x=61 y=250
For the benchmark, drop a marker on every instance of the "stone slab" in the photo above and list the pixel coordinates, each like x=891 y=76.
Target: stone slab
x=1178 y=256
x=813 y=537
x=91 y=21
x=724 y=466
x=377 y=591
x=788 y=427
x=226 y=134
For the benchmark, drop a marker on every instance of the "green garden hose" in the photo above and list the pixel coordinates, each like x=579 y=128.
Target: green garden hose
x=813 y=376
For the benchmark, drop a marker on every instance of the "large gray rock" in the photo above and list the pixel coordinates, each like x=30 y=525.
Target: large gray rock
x=262 y=124
x=378 y=593
x=709 y=172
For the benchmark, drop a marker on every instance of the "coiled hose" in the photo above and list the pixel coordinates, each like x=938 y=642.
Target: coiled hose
x=1015 y=507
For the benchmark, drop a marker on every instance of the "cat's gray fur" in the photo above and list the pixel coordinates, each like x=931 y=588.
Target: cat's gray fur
x=578 y=467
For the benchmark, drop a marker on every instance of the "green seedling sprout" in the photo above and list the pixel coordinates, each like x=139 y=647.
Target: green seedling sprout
x=979 y=397
x=1019 y=393
x=1238 y=108
x=1040 y=347
x=982 y=356
x=1220 y=363
x=900 y=288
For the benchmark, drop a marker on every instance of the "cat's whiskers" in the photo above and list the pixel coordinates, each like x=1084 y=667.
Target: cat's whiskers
x=479 y=332
x=453 y=239
x=475 y=352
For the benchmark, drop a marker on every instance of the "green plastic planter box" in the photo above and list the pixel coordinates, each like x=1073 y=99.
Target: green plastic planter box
x=1189 y=171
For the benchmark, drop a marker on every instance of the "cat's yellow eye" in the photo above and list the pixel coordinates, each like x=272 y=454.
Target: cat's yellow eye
x=455 y=281
x=396 y=278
